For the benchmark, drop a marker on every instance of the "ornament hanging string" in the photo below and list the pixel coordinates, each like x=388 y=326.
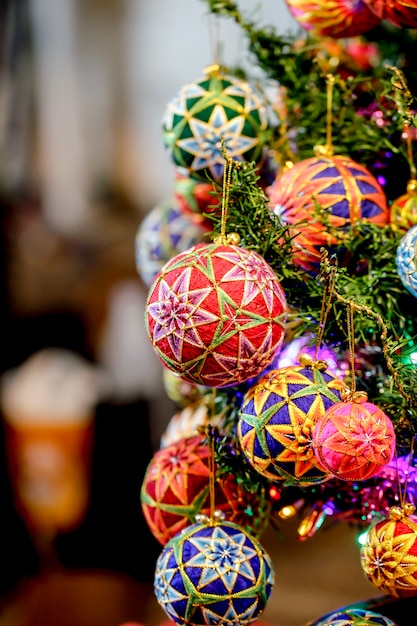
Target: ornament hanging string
x=327 y=149
x=212 y=471
x=227 y=179
x=330 y=85
x=362 y=308
x=403 y=493
x=230 y=164
x=214 y=39
x=353 y=395
x=325 y=307
x=413 y=170
x=351 y=341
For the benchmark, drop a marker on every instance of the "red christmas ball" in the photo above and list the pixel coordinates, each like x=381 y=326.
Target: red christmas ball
x=176 y=488
x=322 y=194
x=354 y=440
x=215 y=314
x=333 y=18
x=402 y=13
x=195 y=196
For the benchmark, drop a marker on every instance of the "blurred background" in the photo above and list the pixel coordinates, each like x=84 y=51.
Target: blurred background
x=83 y=87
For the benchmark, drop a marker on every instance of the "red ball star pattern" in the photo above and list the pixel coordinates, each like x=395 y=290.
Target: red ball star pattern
x=215 y=315
x=176 y=487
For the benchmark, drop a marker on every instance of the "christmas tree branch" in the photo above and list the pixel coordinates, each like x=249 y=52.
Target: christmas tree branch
x=389 y=347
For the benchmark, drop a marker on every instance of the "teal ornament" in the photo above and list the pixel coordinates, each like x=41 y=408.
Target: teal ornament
x=214 y=573
x=165 y=231
x=354 y=617
x=214 y=108
x=407 y=260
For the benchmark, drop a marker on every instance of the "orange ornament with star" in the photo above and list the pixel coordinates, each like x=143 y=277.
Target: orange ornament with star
x=354 y=440
x=176 y=488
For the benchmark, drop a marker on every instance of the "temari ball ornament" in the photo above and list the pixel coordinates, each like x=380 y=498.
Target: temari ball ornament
x=333 y=18
x=215 y=107
x=176 y=488
x=403 y=210
x=354 y=440
x=389 y=554
x=215 y=315
x=213 y=574
x=354 y=617
x=185 y=423
x=163 y=233
x=407 y=260
x=195 y=196
x=180 y=391
x=277 y=418
x=402 y=13
x=345 y=191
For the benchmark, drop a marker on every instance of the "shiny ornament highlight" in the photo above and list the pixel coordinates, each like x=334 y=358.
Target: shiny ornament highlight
x=215 y=315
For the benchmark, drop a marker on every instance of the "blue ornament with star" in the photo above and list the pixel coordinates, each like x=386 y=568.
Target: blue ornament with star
x=407 y=260
x=213 y=573
x=204 y=113
x=164 y=232
x=277 y=418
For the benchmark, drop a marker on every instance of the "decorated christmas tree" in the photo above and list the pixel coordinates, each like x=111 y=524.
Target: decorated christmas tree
x=282 y=304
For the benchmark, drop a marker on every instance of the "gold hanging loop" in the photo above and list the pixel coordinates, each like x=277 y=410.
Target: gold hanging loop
x=326 y=302
x=230 y=164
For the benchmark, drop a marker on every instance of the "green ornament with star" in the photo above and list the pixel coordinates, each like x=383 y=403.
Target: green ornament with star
x=277 y=419
x=213 y=573
x=214 y=109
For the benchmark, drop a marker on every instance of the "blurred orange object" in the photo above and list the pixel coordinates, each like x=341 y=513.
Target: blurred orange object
x=48 y=408
x=49 y=466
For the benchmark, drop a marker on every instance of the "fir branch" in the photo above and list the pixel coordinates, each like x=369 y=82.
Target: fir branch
x=296 y=64
x=399 y=371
